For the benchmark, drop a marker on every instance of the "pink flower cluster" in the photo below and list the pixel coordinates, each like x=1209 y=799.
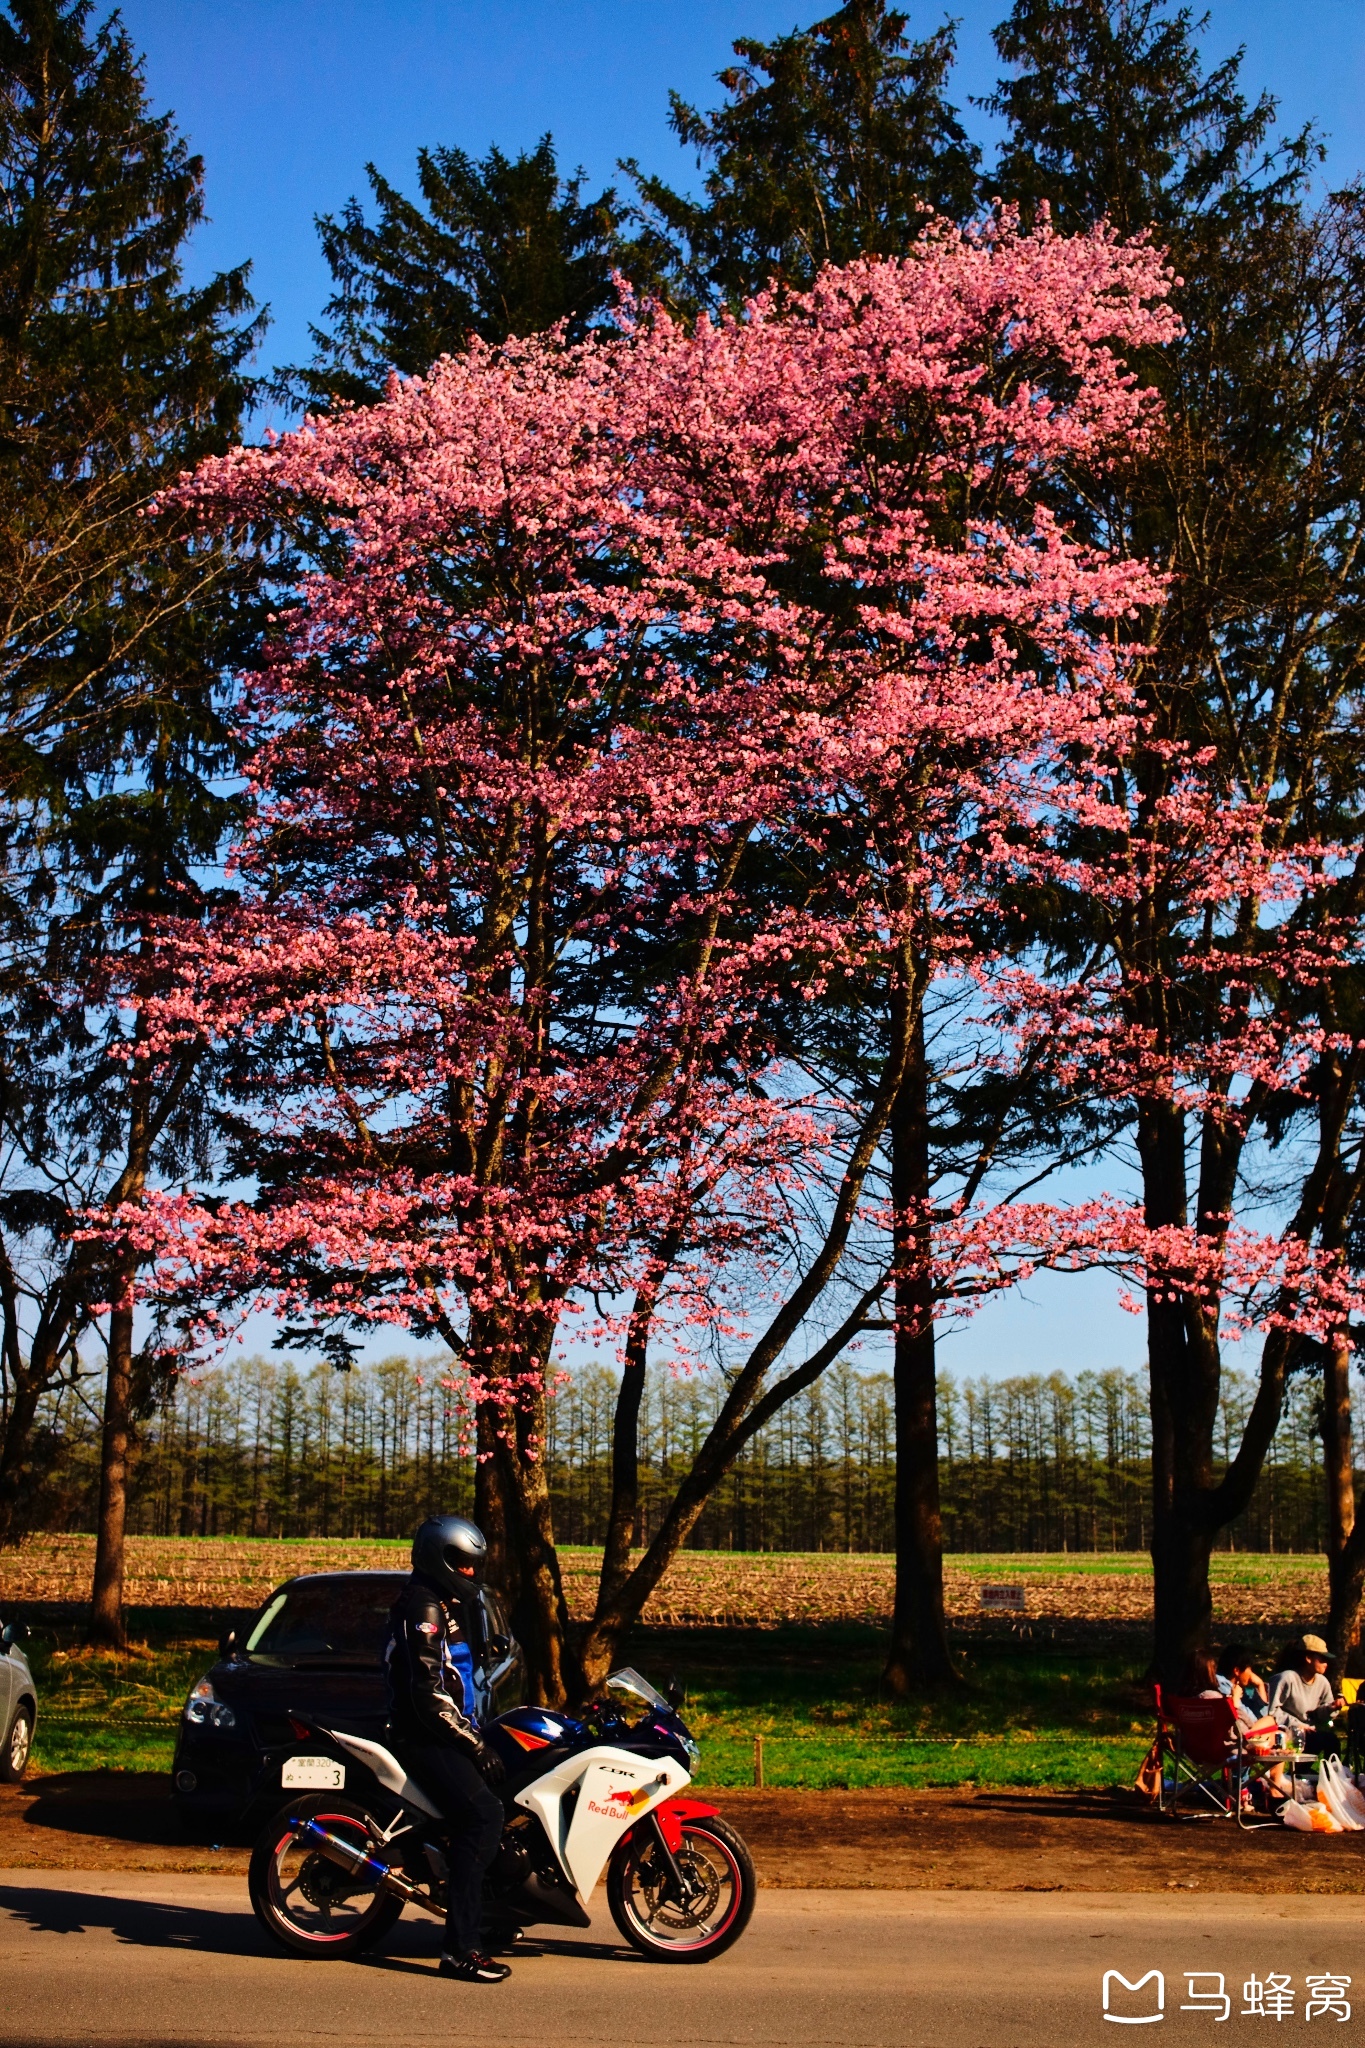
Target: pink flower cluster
x=631 y=691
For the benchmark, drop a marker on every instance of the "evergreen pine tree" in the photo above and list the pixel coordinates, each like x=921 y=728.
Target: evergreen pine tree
x=496 y=248
x=116 y=632
x=837 y=141
x=1111 y=116
x=1252 y=500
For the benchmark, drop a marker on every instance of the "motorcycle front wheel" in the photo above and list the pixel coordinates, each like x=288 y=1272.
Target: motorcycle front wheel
x=308 y=1904
x=718 y=1874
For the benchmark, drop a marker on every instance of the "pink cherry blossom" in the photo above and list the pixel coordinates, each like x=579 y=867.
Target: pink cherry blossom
x=581 y=636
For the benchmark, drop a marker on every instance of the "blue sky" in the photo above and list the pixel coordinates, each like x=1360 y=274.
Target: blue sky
x=287 y=99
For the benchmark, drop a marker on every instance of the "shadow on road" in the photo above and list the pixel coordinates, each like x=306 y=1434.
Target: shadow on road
x=600 y=1951
x=153 y=1923
x=542 y=1944
x=140 y=1923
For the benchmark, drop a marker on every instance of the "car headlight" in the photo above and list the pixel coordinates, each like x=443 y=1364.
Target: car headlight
x=204 y=1709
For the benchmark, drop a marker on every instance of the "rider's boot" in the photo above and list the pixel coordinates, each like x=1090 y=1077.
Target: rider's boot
x=473 y=1968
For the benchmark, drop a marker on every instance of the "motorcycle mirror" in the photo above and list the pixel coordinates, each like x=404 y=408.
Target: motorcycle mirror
x=227 y=1645
x=674 y=1693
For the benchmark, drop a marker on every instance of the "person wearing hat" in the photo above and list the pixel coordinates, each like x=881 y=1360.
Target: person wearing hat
x=1301 y=1699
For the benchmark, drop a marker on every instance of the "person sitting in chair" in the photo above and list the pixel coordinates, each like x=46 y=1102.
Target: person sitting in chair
x=1240 y=1682
x=1245 y=1692
x=1201 y=1678
x=1301 y=1698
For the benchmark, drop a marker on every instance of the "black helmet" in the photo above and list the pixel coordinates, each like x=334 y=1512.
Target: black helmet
x=442 y=1545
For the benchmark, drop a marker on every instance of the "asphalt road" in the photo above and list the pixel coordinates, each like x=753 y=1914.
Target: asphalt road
x=122 y=1958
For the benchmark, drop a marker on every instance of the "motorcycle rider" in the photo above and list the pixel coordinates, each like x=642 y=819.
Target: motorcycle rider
x=429 y=1664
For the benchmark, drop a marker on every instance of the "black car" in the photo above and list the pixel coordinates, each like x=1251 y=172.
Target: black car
x=314 y=1650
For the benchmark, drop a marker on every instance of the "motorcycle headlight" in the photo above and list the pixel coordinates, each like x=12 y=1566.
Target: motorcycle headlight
x=204 y=1709
x=693 y=1751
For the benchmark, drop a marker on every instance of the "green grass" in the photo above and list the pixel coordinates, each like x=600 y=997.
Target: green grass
x=815 y=1696
x=82 y=1691
x=102 y=1749
x=812 y=1692
x=1023 y=1716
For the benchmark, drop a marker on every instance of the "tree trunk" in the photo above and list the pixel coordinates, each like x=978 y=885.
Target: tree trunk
x=14 y=1456
x=919 y=1657
x=600 y=1645
x=1183 y=1366
x=28 y=1380
x=540 y=1616
x=748 y=1405
x=490 y=1508
x=1345 y=1548
x=599 y=1648
x=617 y=1614
x=106 y=1603
x=1182 y=1543
x=625 y=1477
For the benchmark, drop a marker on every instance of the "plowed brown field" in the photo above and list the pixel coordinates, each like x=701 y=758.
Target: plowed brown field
x=748 y=1590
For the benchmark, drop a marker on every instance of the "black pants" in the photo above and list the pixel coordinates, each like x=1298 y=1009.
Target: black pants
x=473 y=1815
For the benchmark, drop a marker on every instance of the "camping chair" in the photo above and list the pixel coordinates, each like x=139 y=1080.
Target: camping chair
x=1207 y=1768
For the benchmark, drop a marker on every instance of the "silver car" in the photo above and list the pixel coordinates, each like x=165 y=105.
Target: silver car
x=18 y=1703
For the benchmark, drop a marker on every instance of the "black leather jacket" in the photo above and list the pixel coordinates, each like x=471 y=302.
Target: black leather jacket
x=429 y=1666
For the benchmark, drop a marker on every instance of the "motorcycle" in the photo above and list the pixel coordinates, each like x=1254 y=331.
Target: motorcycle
x=331 y=1876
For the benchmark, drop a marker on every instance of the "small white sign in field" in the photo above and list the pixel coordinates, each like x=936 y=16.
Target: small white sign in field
x=316 y=1773
x=1003 y=1600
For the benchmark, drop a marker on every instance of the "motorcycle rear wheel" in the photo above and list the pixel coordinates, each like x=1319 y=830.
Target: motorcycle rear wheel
x=307 y=1904
x=715 y=1858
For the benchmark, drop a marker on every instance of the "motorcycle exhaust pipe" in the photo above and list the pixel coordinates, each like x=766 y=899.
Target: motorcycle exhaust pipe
x=361 y=1865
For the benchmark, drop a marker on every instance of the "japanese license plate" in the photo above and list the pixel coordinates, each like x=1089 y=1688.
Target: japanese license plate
x=317 y=1773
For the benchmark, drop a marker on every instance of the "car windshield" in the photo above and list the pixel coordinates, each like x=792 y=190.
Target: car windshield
x=342 y=1620
x=629 y=1688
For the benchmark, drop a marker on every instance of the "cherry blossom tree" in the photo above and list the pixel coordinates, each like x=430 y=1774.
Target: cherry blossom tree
x=1204 y=961
x=597 y=640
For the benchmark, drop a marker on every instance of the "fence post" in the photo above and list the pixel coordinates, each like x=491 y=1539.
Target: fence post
x=758 y=1760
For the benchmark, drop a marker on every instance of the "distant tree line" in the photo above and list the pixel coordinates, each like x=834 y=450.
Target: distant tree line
x=1055 y=1462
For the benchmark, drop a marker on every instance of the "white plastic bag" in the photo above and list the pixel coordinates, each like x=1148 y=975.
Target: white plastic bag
x=1355 y=1804
x=1330 y=1797
x=1316 y=1819
x=1339 y=1795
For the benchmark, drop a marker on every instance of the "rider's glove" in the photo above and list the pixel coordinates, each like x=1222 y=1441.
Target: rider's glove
x=490 y=1763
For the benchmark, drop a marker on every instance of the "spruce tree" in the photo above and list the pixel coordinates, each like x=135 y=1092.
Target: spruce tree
x=1251 y=499
x=836 y=141
x=495 y=248
x=117 y=631
x=1112 y=116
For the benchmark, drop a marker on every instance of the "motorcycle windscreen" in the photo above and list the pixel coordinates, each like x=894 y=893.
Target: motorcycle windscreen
x=614 y=1792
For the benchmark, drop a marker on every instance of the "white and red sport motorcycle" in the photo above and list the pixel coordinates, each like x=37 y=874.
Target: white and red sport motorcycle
x=331 y=1874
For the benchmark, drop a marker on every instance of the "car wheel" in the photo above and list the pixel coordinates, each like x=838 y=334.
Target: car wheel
x=18 y=1743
